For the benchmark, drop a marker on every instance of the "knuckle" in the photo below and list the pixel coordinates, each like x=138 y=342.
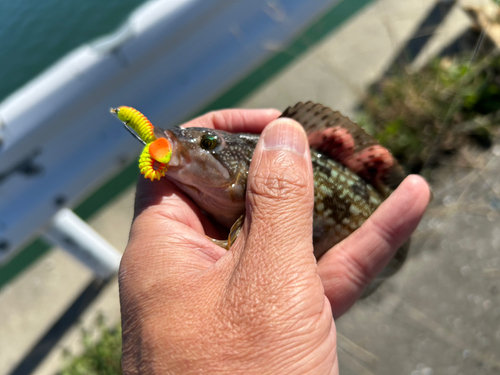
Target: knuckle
x=386 y=233
x=219 y=119
x=282 y=182
x=356 y=271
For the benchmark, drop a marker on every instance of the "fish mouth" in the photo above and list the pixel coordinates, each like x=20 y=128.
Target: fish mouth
x=180 y=155
x=188 y=188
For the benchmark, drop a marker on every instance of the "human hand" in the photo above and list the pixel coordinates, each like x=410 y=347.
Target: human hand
x=265 y=306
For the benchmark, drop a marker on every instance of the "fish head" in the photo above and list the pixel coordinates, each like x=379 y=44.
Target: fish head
x=211 y=166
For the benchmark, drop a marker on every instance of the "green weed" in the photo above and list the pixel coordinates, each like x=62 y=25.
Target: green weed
x=99 y=358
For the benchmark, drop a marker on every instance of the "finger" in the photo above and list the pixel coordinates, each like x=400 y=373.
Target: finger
x=236 y=120
x=351 y=265
x=278 y=222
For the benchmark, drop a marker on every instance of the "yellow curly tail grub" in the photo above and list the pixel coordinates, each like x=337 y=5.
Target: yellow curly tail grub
x=156 y=153
x=149 y=167
x=137 y=121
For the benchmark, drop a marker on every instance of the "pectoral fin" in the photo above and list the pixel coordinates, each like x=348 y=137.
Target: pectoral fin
x=233 y=234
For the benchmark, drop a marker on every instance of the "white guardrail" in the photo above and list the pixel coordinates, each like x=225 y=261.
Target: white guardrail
x=58 y=141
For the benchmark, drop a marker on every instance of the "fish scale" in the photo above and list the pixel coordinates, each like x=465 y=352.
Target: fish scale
x=342 y=202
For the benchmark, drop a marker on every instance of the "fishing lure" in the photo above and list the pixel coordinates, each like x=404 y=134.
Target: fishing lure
x=156 y=154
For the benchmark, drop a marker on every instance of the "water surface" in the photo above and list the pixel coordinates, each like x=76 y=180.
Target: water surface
x=36 y=33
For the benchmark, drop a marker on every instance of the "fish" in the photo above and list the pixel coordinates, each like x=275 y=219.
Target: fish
x=353 y=175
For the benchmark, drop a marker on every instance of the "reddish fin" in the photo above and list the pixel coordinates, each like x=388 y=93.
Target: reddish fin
x=346 y=142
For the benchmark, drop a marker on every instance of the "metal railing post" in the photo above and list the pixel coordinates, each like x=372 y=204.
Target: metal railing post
x=75 y=236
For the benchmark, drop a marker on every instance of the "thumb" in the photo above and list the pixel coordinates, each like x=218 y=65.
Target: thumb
x=280 y=197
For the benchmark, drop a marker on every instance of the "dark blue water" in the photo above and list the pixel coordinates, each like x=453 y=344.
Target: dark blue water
x=36 y=33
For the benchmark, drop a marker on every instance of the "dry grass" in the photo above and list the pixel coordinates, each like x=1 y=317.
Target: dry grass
x=422 y=116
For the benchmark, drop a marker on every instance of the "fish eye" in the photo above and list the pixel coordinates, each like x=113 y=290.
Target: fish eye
x=209 y=142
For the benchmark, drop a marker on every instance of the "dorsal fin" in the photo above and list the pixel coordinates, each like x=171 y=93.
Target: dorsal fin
x=346 y=142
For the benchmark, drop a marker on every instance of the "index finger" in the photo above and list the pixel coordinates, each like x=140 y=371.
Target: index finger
x=236 y=120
